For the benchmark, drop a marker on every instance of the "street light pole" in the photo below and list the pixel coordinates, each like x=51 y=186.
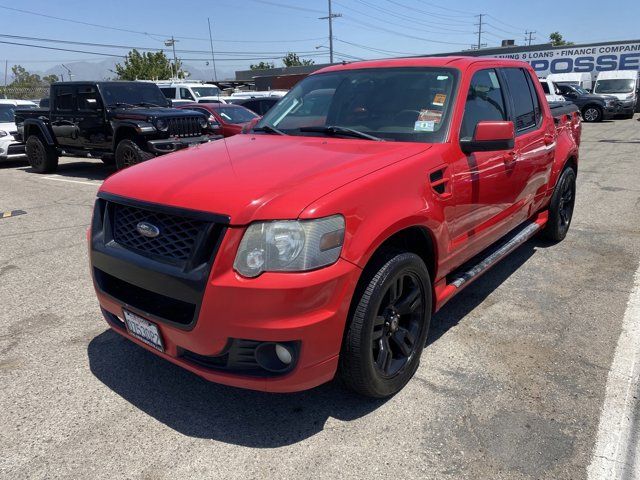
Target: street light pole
x=172 y=43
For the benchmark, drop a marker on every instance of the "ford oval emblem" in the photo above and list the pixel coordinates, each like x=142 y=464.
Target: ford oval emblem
x=147 y=229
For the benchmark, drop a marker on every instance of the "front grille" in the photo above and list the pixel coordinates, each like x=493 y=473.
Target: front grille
x=177 y=239
x=185 y=127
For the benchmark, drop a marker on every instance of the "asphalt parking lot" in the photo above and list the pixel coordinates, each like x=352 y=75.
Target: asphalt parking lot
x=511 y=384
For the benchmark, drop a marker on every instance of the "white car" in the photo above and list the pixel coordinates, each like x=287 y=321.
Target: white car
x=9 y=148
x=551 y=91
x=190 y=92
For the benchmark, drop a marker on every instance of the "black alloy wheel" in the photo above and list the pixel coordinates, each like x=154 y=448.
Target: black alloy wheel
x=397 y=326
x=561 y=207
x=41 y=157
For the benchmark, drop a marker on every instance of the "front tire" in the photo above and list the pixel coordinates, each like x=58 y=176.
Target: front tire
x=128 y=154
x=388 y=325
x=561 y=207
x=43 y=158
x=592 y=114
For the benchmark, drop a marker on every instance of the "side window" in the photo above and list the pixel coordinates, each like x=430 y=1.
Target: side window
x=64 y=99
x=88 y=99
x=537 y=109
x=545 y=87
x=485 y=101
x=186 y=94
x=524 y=109
x=169 y=92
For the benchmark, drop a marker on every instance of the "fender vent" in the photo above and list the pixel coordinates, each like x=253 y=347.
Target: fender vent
x=439 y=180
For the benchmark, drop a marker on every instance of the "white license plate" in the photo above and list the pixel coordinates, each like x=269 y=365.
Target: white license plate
x=143 y=330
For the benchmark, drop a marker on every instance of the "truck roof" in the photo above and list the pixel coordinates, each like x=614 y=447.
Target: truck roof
x=452 y=61
x=93 y=82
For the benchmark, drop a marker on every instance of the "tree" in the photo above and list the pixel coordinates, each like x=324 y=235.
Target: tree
x=292 y=60
x=557 y=41
x=262 y=66
x=148 y=66
x=24 y=79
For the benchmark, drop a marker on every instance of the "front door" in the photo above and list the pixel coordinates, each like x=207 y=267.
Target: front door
x=486 y=185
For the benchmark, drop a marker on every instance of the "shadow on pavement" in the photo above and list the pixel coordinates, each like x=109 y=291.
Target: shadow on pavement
x=82 y=169
x=197 y=408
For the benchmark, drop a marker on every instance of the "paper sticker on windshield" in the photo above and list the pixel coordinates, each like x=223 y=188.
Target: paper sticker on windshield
x=424 y=126
x=427 y=115
x=439 y=99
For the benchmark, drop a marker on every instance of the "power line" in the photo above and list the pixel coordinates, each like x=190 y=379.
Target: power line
x=528 y=37
x=373 y=49
x=376 y=28
x=431 y=14
x=61 y=49
x=291 y=7
x=410 y=18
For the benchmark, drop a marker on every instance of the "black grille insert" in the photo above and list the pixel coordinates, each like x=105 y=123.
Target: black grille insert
x=145 y=300
x=177 y=239
x=185 y=127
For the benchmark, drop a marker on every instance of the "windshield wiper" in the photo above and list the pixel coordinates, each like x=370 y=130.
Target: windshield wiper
x=336 y=130
x=120 y=104
x=269 y=129
x=147 y=104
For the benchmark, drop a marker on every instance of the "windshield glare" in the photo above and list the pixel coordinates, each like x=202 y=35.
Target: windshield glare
x=205 y=91
x=402 y=104
x=133 y=93
x=621 y=85
x=235 y=114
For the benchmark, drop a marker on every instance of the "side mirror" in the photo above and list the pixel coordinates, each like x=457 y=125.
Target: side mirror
x=490 y=136
x=249 y=126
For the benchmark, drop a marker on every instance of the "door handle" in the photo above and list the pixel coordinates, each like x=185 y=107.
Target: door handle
x=548 y=139
x=509 y=158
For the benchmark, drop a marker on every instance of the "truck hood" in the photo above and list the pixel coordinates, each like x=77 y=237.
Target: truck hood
x=256 y=177
x=151 y=112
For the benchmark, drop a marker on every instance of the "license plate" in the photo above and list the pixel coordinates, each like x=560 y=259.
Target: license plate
x=143 y=330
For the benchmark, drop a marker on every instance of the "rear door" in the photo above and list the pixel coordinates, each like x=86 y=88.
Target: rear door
x=63 y=116
x=534 y=145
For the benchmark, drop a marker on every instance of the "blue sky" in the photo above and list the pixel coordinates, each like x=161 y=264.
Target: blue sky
x=252 y=29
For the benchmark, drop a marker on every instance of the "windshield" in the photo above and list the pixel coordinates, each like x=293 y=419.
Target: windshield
x=619 y=85
x=403 y=104
x=235 y=114
x=134 y=93
x=205 y=91
x=6 y=113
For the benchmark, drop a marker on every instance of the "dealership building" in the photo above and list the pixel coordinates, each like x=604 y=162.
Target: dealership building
x=591 y=58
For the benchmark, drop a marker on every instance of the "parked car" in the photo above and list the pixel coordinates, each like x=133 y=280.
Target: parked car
x=582 y=80
x=551 y=91
x=623 y=84
x=225 y=120
x=594 y=108
x=258 y=105
x=10 y=148
x=190 y=92
x=44 y=102
x=121 y=122
x=321 y=243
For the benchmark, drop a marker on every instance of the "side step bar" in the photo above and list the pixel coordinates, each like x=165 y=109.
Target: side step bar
x=492 y=255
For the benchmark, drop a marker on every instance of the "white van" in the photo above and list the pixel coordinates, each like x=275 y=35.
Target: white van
x=622 y=84
x=582 y=80
x=190 y=92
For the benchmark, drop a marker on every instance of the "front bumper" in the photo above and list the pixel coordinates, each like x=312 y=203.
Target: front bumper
x=308 y=308
x=168 y=145
x=10 y=149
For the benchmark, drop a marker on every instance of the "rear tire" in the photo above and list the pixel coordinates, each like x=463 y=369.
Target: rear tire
x=128 y=153
x=592 y=114
x=43 y=158
x=561 y=207
x=388 y=327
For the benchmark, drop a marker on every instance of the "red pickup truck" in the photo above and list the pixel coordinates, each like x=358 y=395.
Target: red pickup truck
x=320 y=243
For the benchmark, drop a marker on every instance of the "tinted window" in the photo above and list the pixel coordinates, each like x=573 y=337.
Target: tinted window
x=485 y=102
x=169 y=92
x=252 y=105
x=64 y=99
x=88 y=98
x=132 y=93
x=185 y=93
x=6 y=113
x=534 y=95
x=545 y=87
x=524 y=109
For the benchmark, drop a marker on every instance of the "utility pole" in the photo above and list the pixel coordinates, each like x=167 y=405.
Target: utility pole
x=330 y=18
x=213 y=57
x=172 y=43
x=528 y=37
x=479 y=24
x=6 y=67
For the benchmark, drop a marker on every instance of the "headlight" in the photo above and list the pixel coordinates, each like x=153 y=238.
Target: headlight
x=204 y=123
x=289 y=246
x=162 y=125
x=3 y=133
x=608 y=101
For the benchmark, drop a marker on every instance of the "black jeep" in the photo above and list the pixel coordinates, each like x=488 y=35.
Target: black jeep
x=120 y=122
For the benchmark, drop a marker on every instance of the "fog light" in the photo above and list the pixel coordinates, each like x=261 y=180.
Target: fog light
x=283 y=353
